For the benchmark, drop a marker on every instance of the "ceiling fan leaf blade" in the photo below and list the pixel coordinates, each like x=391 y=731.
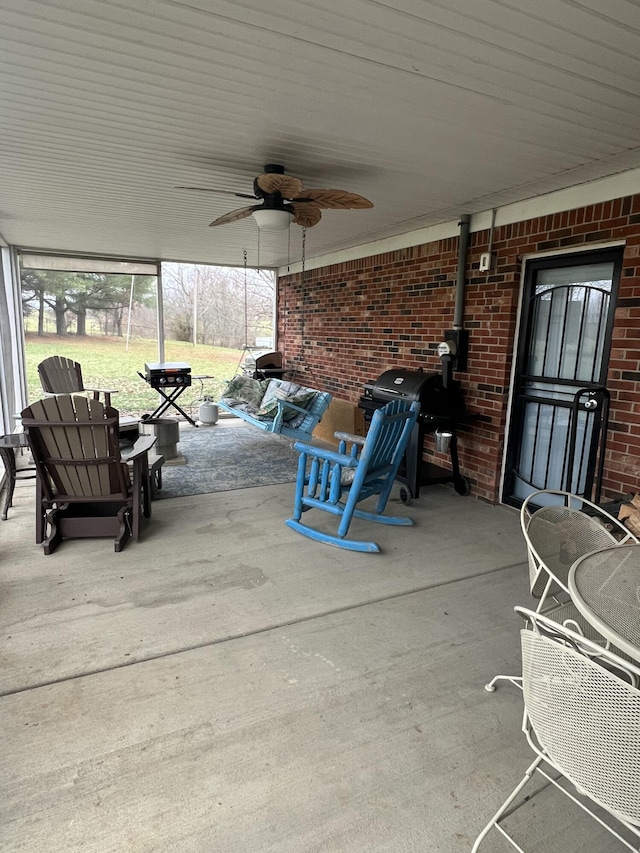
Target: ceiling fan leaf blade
x=337 y=199
x=235 y=215
x=306 y=215
x=218 y=192
x=286 y=185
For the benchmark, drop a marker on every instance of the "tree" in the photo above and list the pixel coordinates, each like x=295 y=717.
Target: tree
x=81 y=295
x=230 y=309
x=33 y=290
x=110 y=298
x=48 y=288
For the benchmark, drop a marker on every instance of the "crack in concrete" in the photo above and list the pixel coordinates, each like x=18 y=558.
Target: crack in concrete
x=266 y=629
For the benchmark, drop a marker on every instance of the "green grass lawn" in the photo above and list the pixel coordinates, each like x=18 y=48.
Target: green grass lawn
x=107 y=363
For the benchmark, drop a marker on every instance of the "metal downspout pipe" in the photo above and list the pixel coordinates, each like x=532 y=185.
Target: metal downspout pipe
x=463 y=248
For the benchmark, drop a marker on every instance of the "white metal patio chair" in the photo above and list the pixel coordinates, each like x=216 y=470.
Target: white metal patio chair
x=559 y=527
x=582 y=720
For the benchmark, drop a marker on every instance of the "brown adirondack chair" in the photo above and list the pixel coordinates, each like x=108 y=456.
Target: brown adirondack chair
x=60 y=375
x=85 y=487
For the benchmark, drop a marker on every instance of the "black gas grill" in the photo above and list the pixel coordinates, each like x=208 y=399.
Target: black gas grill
x=442 y=410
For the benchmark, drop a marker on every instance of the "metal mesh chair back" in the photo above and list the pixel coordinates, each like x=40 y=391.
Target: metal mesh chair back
x=566 y=527
x=586 y=720
x=582 y=720
x=556 y=536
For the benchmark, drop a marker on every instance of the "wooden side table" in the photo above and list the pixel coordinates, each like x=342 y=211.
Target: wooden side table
x=8 y=446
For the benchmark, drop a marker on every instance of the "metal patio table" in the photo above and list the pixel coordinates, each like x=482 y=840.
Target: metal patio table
x=605 y=588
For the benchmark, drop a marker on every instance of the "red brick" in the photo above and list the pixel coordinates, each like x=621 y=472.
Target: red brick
x=394 y=290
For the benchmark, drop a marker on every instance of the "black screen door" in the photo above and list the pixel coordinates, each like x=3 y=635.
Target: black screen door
x=555 y=435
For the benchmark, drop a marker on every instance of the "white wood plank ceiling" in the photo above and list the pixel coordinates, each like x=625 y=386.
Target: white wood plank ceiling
x=430 y=108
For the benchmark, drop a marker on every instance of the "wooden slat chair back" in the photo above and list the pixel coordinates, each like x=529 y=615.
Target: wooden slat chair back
x=337 y=481
x=85 y=489
x=60 y=375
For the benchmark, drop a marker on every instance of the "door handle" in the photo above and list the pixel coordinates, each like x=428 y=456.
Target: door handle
x=590 y=399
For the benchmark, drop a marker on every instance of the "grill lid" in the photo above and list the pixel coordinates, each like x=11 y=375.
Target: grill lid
x=410 y=385
x=399 y=384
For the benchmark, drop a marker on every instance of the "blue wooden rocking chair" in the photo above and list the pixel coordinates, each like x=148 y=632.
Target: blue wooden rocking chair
x=336 y=481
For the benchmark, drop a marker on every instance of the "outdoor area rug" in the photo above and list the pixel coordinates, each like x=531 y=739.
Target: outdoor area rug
x=222 y=458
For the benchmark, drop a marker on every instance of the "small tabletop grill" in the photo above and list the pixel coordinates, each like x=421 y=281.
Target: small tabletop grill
x=167 y=374
x=442 y=410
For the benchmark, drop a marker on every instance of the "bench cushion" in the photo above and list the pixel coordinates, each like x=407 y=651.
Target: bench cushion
x=301 y=398
x=246 y=389
x=241 y=393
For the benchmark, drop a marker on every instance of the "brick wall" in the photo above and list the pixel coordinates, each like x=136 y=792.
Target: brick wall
x=349 y=322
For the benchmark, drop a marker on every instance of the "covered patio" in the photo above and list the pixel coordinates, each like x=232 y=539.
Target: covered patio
x=225 y=685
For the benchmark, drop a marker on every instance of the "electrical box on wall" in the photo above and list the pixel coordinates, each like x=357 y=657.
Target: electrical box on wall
x=458 y=342
x=487 y=261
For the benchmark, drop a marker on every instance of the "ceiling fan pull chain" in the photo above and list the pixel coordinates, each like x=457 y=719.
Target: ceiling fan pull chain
x=246 y=312
x=300 y=359
x=245 y=348
x=285 y=318
x=303 y=359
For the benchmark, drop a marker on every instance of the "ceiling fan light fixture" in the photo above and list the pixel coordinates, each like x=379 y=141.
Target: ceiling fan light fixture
x=270 y=219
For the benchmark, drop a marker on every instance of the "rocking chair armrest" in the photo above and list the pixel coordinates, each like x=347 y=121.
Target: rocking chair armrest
x=326 y=454
x=143 y=445
x=353 y=439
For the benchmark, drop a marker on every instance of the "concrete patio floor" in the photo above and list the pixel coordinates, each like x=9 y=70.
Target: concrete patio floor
x=226 y=685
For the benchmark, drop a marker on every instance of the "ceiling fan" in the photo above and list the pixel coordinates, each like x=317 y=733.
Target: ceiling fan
x=283 y=200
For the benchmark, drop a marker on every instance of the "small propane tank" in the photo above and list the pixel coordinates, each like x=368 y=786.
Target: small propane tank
x=208 y=412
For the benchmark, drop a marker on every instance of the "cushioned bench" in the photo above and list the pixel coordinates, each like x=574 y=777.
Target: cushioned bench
x=276 y=405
